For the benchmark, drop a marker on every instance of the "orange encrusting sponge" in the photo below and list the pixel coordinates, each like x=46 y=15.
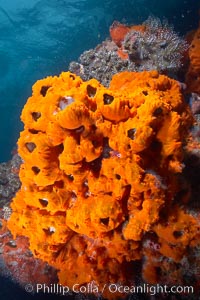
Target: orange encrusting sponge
x=193 y=73
x=99 y=167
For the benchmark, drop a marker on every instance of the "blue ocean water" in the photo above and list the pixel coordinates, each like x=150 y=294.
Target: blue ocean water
x=40 y=38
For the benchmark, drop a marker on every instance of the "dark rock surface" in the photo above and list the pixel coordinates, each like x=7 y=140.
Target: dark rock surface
x=9 y=179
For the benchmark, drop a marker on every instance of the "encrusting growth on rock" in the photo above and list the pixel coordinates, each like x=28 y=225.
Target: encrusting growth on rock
x=152 y=45
x=100 y=172
x=193 y=72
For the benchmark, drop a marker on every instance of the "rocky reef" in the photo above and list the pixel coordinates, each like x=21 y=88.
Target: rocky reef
x=9 y=179
x=153 y=45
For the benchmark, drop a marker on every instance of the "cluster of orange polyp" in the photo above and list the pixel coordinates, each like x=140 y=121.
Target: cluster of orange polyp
x=99 y=170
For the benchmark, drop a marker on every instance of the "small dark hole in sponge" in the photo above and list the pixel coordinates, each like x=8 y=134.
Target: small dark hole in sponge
x=30 y=146
x=104 y=221
x=107 y=99
x=36 y=170
x=91 y=91
x=70 y=177
x=36 y=115
x=177 y=234
x=33 y=131
x=158 y=111
x=131 y=133
x=72 y=76
x=49 y=231
x=44 y=90
x=43 y=202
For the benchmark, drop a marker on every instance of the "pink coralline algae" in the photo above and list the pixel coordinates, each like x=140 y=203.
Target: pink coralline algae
x=17 y=261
